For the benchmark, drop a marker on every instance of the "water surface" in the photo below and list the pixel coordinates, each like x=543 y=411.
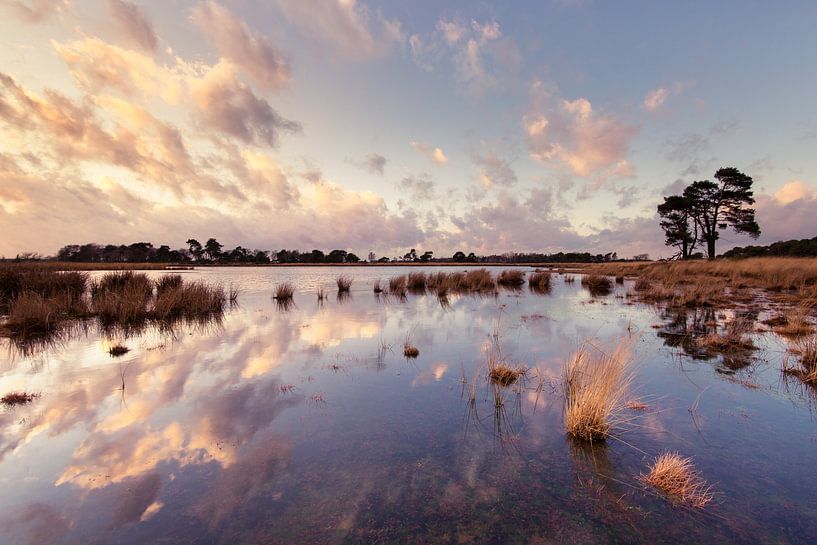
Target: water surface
x=307 y=425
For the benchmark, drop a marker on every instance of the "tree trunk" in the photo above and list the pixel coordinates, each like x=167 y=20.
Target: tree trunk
x=710 y=247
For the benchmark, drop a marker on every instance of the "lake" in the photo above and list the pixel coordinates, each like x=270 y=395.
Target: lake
x=305 y=423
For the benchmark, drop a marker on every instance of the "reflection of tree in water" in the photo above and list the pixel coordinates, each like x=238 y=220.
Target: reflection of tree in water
x=685 y=327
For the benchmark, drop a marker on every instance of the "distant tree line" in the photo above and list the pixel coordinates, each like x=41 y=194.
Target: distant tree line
x=704 y=209
x=213 y=252
x=806 y=247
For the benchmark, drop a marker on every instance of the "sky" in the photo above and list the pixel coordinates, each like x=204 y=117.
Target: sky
x=383 y=126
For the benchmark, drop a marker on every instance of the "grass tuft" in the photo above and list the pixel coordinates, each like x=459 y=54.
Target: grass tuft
x=118 y=350
x=597 y=284
x=513 y=278
x=539 y=282
x=344 y=283
x=677 y=477
x=285 y=291
x=595 y=385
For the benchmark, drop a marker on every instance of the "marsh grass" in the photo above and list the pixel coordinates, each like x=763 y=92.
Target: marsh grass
x=190 y=300
x=33 y=315
x=569 y=279
x=285 y=290
x=416 y=282
x=397 y=286
x=377 y=288
x=595 y=386
x=735 y=337
x=512 y=278
x=121 y=297
x=795 y=324
x=321 y=293
x=344 y=283
x=18 y=398
x=805 y=348
x=597 y=285
x=44 y=281
x=168 y=282
x=539 y=282
x=677 y=477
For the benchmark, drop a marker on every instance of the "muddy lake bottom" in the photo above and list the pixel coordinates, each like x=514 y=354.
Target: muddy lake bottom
x=305 y=423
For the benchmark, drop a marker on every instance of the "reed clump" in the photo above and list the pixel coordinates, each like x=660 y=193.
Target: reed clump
x=806 y=350
x=344 y=283
x=504 y=374
x=191 y=300
x=511 y=278
x=118 y=350
x=479 y=280
x=595 y=387
x=121 y=297
x=796 y=324
x=377 y=287
x=597 y=284
x=397 y=286
x=416 y=281
x=33 y=315
x=734 y=338
x=44 y=281
x=676 y=476
x=539 y=282
x=285 y=290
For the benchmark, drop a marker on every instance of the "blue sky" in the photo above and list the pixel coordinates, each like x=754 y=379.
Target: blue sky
x=488 y=127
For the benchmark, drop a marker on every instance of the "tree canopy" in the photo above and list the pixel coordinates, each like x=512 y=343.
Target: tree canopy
x=705 y=208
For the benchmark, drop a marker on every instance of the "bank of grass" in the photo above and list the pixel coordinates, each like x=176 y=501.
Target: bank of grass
x=792 y=276
x=39 y=301
x=596 y=384
x=676 y=476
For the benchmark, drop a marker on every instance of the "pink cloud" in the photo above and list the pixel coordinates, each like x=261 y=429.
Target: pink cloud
x=572 y=135
x=234 y=41
x=131 y=21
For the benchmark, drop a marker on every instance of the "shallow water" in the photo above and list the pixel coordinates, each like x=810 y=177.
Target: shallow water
x=307 y=425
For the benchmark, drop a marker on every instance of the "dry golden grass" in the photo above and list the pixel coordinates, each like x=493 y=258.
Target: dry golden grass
x=31 y=314
x=539 y=282
x=798 y=276
x=595 y=386
x=676 y=477
x=191 y=300
x=512 y=278
x=505 y=375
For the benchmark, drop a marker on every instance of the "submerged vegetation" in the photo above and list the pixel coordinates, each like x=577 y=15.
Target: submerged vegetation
x=18 y=398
